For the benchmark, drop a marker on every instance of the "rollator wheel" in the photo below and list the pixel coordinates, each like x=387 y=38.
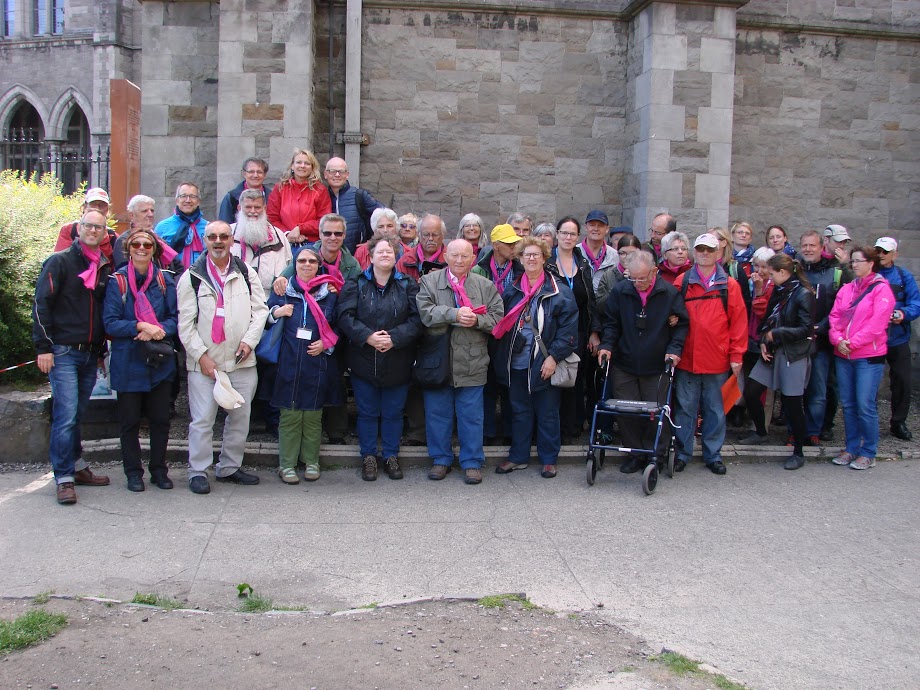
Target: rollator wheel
x=601 y=454
x=590 y=468
x=672 y=455
x=650 y=479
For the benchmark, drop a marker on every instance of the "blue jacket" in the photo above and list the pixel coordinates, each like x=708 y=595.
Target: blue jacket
x=128 y=369
x=231 y=203
x=907 y=299
x=357 y=228
x=559 y=332
x=304 y=382
x=170 y=229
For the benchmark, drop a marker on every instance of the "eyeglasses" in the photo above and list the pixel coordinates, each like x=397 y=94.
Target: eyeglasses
x=254 y=172
x=675 y=249
x=333 y=233
x=532 y=257
x=705 y=249
x=336 y=173
x=93 y=226
x=410 y=226
x=567 y=234
x=431 y=235
x=307 y=261
x=624 y=253
x=141 y=245
x=643 y=279
x=215 y=238
x=187 y=197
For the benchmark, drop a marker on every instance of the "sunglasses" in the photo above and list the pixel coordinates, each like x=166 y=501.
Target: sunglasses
x=141 y=245
x=883 y=251
x=333 y=233
x=410 y=226
x=215 y=238
x=307 y=261
x=706 y=250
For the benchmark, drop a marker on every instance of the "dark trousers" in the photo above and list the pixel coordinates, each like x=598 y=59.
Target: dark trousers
x=572 y=414
x=636 y=432
x=792 y=405
x=155 y=405
x=898 y=359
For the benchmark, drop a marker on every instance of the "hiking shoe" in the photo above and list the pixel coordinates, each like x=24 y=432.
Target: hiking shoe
x=632 y=464
x=393 y=470
x=288 y=475
x=843 y=459
x=862 y=463
x=438 y=472
x=794 y=462
x=716 y=467
x=85 y=477
x=549 y=471
x=472 y=476
x=66 y=494
x=240 y=477
x=311 y=472
x=509 y=466
x=369 y=469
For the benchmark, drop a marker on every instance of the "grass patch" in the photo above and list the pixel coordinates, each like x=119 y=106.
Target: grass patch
x=42 y=597
x=156 y=600
x=683 y=666
x=29 y=629
x=255 y=603
x=372 y=605
x=498 y=601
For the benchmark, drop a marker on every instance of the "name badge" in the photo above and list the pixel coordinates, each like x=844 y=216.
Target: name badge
x=305 y=333
x=219 y=311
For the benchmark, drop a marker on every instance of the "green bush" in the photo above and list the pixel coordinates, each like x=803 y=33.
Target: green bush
x=31 y=214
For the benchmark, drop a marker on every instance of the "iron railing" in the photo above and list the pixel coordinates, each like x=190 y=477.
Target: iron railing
x=23 y=149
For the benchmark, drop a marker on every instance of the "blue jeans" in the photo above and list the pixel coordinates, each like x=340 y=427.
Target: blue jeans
x=816 y=392
x=857 y=386
x=442 y=406
x=72 y=379
x=699 y=393
x=379 y=408
x=526 y=407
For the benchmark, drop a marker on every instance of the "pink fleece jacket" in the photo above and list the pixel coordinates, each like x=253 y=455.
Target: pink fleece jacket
x=867 y=327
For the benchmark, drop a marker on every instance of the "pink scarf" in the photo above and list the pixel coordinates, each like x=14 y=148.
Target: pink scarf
x=195 y=246
x=167 y=253
x=596 y=261
x=499 y=278
x=435 y=258
x=463 y=300
x=143 y=310
x=217 y=325
x=333 y=268
x=510 y=319
x=90 y=274
x=326 y=334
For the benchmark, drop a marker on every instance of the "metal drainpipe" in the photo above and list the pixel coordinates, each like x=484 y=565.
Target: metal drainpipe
x=353 y=86
x=330 y=97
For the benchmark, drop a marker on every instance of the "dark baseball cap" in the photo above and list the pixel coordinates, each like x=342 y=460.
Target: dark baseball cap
x=597 y=215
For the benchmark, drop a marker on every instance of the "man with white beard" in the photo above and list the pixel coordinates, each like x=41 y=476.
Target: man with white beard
x=257 y=242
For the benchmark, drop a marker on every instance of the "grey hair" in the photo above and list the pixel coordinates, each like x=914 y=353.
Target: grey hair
x=484 y=238
x=425 y=217
x=186 y=183
x=251 y=194
x=332 y=218
x=545 y=229
x=137 y=200
x=668 y=240
x=517 y=217
x=763 y=254
x=383 y=213
x=643 y=257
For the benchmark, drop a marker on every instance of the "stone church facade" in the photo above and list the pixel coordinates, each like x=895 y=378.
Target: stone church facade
x=797 y=113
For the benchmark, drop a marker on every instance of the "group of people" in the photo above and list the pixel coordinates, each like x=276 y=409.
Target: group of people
x=297 y=285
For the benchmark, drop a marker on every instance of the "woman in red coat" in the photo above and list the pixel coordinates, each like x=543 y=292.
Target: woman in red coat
x=299 y=200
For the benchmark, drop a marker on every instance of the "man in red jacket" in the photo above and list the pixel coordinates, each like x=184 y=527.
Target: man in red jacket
x=715 y=344
x=96 y=199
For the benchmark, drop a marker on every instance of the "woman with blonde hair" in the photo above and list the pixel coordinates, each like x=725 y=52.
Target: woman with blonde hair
x=299 y=200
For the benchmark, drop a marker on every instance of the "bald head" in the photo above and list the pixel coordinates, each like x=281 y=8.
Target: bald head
x=459 y=256
x=336 y=173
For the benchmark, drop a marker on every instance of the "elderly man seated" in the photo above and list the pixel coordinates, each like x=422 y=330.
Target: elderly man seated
x=639 y=336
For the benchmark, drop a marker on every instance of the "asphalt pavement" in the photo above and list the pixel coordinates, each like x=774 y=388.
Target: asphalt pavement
x=805 y=579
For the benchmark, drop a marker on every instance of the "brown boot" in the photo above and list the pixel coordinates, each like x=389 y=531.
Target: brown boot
x=85 y=477
x=66 y=494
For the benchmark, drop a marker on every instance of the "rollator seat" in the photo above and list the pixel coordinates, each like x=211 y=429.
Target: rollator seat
x=634 y=406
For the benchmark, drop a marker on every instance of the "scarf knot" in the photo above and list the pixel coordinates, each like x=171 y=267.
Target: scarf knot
x=510 y=319
x=326 y=334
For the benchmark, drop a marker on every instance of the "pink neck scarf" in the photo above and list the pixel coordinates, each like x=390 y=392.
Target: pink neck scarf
x=333 y=268
x=167 y=253
x=143 y=310
x=255 y=247
x=510 y=319
x=596 y=261
x=195 y=246
x=436 y=257
x=217 y=325
x=90 y=274
x=326 y=334
x=499 y=278
x=463 y=299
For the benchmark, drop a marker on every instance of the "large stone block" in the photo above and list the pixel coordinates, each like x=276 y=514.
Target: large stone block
x=714 y=125
x=166 y=92
x=712 y=191
x=717 y=55
x=662 y=122
x=478 y=60
x=665 y=52
x=652 y=155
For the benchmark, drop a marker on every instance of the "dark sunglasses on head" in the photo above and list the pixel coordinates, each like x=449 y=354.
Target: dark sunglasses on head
x=333 y=233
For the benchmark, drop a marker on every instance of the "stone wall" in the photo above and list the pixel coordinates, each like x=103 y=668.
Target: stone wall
x=179 y=100
x=490 y=113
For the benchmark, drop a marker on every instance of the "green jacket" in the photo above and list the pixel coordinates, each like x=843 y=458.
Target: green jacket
x=348 y=265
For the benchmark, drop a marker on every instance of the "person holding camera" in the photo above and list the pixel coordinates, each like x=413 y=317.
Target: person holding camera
x=786 y=343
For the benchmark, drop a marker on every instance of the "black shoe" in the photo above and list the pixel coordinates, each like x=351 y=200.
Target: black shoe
x=199 y=485
x=135 y=484
x=754 y=439
x=794 y=462
x=901 y=431
x=679 y=465
x=240 y=477
x=716 y=467
x=162 y=482
x=369 y=468
x=632 y=464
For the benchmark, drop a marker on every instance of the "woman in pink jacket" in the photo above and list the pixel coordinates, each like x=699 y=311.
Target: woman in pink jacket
x=859 y=334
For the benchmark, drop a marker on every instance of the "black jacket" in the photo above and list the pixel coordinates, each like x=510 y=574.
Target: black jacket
x=641 y=351
x=363 y=309
x=65 y=312
x=793 y=325
x=588 y=319
x=826 y=276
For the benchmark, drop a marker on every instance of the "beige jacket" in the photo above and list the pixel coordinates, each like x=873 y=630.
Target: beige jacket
x=244 y=316
x=271 y=260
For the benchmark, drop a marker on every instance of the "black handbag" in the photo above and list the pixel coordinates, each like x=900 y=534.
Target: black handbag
x=432 y=361
x=158 y=352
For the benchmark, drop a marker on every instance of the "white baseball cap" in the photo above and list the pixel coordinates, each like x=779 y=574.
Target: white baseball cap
x=225 y=394
x=838 y=233
x=96 y=194
x=889 y=244
x=707 y=239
